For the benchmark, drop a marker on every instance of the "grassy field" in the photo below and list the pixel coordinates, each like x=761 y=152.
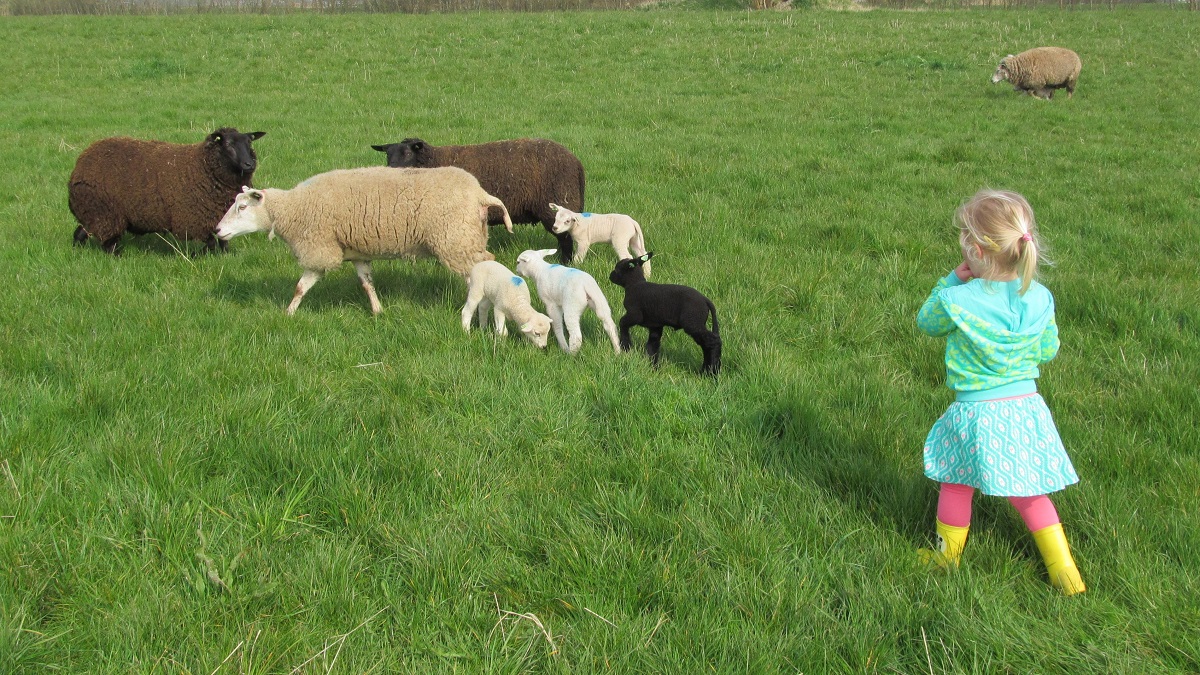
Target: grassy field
x=192 y=482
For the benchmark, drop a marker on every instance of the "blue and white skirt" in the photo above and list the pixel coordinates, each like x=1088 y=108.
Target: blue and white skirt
x=1007 y=447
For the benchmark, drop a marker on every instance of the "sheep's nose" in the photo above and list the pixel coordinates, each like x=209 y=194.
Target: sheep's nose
x=248 y=166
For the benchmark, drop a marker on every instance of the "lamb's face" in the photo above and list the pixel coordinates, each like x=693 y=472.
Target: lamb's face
x=246 y=215
x=537 y=330
x=564 y=220
x=629 y=270
x=1001 y=73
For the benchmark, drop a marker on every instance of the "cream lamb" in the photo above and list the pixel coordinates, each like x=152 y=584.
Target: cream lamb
x=618 y=229
x=493 y=286
x=360 y=215
x=567 y=292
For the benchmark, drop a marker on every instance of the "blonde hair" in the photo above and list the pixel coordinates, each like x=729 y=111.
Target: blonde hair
x=1001 y=224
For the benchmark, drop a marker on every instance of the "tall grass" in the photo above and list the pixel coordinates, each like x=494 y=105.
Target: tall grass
x=191 y=481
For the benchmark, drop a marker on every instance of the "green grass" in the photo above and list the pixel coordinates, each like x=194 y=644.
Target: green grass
x=192 y=482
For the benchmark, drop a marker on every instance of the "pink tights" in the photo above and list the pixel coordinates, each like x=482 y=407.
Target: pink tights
x=954 y=507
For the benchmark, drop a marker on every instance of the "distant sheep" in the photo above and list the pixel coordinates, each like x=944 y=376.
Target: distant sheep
x=656 y=306
x=567 y=292
x=124 y=185
x=491 y=285
x=526 y=174
x=362 y=215
x=623 y=232
x=1041 y=70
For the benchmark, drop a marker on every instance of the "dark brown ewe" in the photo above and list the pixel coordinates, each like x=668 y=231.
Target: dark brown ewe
x=124 y=185
x=527 y=174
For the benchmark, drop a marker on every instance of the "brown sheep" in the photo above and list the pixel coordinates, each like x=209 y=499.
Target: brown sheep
x=1041 y=70
x=527 y=174
x=128 y=185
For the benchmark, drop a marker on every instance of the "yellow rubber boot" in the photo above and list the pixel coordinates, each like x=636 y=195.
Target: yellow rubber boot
x=1060 y=566
x=950 y=543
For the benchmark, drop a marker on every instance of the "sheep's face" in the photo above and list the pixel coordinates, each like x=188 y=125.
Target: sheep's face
x=235 y=150
x=408 y=152
x=537 y=330
x=246 y=215
x=1002 y=72
x=629 y=270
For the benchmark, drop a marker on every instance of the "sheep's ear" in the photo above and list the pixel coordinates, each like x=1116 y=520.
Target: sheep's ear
x=553 y=207
x=526 y=328
x=646 y=257
x=381 y=148
x=256 y=195
x=215 y=137
x=247 y=188
x=255 y=135
x=547 y=251
x=418 y=146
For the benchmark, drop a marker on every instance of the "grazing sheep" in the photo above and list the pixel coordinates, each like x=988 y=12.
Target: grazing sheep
x=656 y=306
x=623 y=232
x=128 y=185
x=1041 y=70
x=526 y=174
x=567 y=292
x=492 y=285
x=365 y=214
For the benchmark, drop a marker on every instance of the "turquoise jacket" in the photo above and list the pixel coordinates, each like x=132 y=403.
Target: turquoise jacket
x=995 y=338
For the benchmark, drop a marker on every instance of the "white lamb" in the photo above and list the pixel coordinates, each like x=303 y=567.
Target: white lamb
x=491 y=285
x=567 y=292
x=618 y=229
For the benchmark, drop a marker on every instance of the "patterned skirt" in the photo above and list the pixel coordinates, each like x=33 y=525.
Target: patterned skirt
x=1007 y=447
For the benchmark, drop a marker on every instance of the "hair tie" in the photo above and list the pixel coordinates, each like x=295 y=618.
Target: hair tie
x=1026 y=236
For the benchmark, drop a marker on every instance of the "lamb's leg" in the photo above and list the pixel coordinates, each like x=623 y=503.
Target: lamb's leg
x=653 y=343
x=581 y=250
x=306 y=282
x=627 y=322
x=605 y=316
x=484 y=306
x=498 y=318
x=575 y=334
x=556 y=319
x=474 y=301
x=363 y=267
x=710 y=344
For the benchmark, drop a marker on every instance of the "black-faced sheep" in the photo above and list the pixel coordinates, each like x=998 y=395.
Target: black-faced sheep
x=656 y=306
x=493 y=286
x=619 y=230
x=124 y=185
x=567 y=292
x=1041 y=70
x=526 y=174
x=360 y=215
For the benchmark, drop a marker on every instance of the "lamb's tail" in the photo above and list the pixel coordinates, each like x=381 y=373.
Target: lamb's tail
x=489 y=200
x=713 y=308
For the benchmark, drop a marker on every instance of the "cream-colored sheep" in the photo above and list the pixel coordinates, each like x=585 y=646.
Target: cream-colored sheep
x=360 y=215
x=493 y=286
x=618 y=229
x=1041 y=70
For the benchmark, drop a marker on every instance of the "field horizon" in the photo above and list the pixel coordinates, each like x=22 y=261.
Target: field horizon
x=193 y=482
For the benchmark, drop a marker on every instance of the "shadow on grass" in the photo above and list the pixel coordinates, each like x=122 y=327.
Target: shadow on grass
x=801 y=442
x=395 y=281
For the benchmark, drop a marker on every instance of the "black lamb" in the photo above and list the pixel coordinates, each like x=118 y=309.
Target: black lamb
x=656 y=306
x=129 y=185
x=527 y=174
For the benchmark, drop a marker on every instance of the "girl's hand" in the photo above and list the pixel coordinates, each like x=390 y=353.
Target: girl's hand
x=963 y=272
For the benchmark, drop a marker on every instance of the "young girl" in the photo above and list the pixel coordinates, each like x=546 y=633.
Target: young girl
x=998 y=435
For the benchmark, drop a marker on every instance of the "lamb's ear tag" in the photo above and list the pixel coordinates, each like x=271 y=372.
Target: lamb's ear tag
x=645 y=257
x=554 y=207
x=217 y=138
x=525 y=328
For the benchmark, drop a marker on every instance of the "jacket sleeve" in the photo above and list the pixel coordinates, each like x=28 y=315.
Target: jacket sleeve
x=1049 y=341
x=932 y=319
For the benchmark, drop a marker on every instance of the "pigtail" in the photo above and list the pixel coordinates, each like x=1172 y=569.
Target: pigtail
x=1027 y=261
